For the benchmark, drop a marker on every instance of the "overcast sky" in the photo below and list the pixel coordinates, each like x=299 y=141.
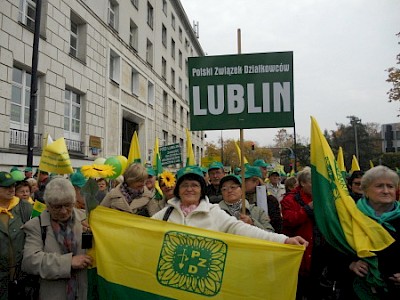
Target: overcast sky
x=341 y=51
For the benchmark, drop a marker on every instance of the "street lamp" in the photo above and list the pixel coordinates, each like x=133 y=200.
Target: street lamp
x=354 y=121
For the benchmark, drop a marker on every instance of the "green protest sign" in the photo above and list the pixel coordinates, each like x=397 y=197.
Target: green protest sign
x=241 y=91
x=170 y=154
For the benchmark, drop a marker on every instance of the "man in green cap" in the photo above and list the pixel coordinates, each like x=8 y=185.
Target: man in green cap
x=28 y=173
x=275 y=187
x=253 y=179
x=263 y=168
x=215 y=172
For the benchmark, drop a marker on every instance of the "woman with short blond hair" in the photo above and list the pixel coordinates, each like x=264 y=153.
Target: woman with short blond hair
x=130 y=196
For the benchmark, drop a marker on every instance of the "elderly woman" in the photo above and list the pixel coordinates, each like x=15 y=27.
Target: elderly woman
x=130 y=196
x=53 y=246
x=379 y=186
x=191 y=206
x=166 y=182
x=231 y=190
x=13 y=214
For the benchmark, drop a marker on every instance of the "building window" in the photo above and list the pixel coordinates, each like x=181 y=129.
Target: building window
x=115 y=62
x=180 y=86
x=174 y=110
x=164 y=6
x=181 y=116
x=165 y=104
x=165 y=138
x=173 y=48
x=186 y=93
x=164 y=35
x=135 y=81
x=187 y=119
x=149 y=52
x=180 y=59
x=27 y=13
x=133 y=35
x=150 y=15
x=113 y=14
x=186 y=44
x=186 y=67
x=73 y=50
x=163 y=68
x=72 y=115
x=150 y=93
x=77 y=37
x=180 y=34
x=172 y=21
x=173 y=139
x=20 y=99
x=135 y=3
x=173 y=78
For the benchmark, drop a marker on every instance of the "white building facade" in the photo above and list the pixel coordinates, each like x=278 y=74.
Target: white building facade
x=106 y=69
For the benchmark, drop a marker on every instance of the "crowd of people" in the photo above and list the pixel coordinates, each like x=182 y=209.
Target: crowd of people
x=275 y=209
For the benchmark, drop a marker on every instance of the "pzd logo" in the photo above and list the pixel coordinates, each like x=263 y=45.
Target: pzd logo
x=192 y=263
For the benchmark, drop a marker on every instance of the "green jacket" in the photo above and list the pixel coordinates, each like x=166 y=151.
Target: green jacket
x=14 y=239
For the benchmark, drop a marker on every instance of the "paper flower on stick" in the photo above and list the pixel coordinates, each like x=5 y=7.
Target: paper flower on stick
x=97 y=171
x=168 y=179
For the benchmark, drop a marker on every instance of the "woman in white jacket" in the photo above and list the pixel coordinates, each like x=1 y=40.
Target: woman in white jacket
x=191 y=207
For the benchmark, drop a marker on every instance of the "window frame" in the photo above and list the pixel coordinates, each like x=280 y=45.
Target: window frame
x=70 y=133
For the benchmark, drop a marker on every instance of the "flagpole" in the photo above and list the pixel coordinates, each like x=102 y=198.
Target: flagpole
x=239 y=45
x=33 y=99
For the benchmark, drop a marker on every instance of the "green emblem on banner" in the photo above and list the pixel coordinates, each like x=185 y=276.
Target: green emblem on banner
x=192 y=263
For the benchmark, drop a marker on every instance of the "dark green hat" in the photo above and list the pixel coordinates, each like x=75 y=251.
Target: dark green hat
x=6 y=179
x=189 y=170
x=150 y=171
x=77 y=179
x=14 y=169
x=215 y=165
x=233 y=177
x=204 y=169
x=260 y=163
x=28 y=169
x=252 y=171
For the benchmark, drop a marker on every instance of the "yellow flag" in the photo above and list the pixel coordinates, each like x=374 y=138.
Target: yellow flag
x=354 y=165
x=55 y=157
x=175 y=261
x=239 y=153
x=340 y=160
x=157 y=165
x=134 y=150
x=189 y=150
x=371 y=164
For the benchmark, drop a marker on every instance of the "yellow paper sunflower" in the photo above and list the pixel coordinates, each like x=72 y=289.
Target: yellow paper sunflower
x=168 y=179
x=96 y=171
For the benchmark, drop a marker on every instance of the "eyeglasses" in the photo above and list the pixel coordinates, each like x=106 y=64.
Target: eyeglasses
x=61 y=206
x=229 y=188
x=193 y=186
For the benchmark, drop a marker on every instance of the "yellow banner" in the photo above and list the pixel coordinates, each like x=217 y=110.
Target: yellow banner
x=183 y=262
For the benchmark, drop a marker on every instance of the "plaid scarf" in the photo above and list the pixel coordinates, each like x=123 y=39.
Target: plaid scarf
x=65 y=237
x=129 y=193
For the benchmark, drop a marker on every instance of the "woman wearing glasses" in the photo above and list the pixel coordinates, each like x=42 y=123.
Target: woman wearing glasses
x=53 y=245
x=232 y=204
x=191 y=207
